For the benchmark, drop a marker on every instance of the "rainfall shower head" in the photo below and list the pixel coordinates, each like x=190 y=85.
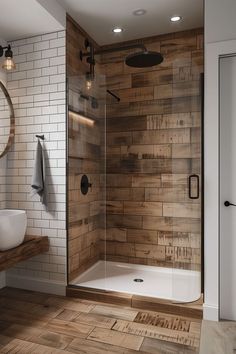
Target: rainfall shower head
x=144 y=59
x=141 y=59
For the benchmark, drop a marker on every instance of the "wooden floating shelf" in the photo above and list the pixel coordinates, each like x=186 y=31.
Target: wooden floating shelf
x=32 y=246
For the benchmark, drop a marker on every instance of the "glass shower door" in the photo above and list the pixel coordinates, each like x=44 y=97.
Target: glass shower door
x=85 y=174
x=184 y=210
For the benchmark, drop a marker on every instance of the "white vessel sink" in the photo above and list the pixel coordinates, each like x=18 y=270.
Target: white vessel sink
x=12 y=228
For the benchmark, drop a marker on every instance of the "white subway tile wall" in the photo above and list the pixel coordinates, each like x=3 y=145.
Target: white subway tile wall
x=3 y=164
x=38 y=91
x=3 y=160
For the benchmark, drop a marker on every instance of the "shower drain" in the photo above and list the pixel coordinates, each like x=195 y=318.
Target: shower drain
x=138 y=280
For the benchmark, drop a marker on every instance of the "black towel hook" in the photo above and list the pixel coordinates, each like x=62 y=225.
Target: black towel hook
x=40 y=137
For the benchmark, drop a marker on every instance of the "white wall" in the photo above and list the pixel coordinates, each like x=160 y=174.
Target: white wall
x=55 y=9
x=220 y=26
x=37 y=88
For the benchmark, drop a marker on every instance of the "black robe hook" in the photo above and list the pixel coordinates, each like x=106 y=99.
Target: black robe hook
x=40 y=137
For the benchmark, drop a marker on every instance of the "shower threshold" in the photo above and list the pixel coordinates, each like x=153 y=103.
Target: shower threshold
x=176 y=285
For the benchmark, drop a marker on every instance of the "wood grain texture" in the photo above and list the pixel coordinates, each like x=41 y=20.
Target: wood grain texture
x=38 y=335
x=218 y=337
x=123 y=340
x=157 y=333
x=103 y=329
x=32 y=246
x=96 y=320
x=160 y=320
x=154 y=143
x=155 y=346
x=192 y=310
x=73 y=329
x=99 y=295
x=86 y=346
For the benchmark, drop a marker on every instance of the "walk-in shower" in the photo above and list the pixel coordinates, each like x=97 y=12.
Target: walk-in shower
x=135 y=168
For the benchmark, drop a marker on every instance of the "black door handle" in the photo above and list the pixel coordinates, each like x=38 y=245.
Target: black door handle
x=190 y=179
x=227 y=204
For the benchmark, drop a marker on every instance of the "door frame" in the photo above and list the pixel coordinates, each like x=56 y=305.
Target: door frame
x=213 y=52
x=202 y=89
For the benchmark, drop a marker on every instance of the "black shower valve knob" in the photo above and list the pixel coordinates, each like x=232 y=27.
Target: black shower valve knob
x=85 y=185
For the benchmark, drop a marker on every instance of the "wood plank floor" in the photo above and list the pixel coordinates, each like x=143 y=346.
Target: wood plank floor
x=32 y=322
x=218 y=337
x=192 y=309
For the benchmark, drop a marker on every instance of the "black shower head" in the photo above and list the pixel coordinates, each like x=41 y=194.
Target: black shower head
x=144 y=59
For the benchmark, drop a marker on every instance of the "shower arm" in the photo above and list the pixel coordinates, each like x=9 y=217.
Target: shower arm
x=110 y=50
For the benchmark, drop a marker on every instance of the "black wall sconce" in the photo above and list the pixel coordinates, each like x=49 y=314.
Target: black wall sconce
x=8 y=63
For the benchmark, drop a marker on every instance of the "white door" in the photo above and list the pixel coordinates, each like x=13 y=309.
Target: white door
x=228 y=188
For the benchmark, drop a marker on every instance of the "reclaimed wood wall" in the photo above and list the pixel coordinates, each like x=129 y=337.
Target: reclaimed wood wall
x=153 y=144
x=85 y=156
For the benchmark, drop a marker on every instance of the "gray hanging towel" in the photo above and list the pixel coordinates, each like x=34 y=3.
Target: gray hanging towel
x=38 y=181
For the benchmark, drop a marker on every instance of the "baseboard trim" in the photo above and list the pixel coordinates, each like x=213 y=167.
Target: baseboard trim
x=210 y=313
x=40 y=285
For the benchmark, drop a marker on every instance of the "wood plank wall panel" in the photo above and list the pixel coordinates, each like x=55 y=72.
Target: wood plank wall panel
x=85 y=157
x=153 y=144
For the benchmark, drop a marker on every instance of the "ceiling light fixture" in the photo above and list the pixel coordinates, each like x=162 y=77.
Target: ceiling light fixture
x=8 y=63
x=176 y=18
x=117 y=30
x=139 y=12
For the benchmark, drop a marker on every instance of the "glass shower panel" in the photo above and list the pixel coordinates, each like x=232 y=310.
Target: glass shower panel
x=86 y=174
x=184 y=209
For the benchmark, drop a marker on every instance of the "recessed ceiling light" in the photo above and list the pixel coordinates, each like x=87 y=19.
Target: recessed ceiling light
x=175 y=18
x=139 y=12
x=117 y=30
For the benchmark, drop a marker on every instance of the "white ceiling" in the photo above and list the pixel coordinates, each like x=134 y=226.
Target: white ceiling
x=25 y=18
x=98 y=17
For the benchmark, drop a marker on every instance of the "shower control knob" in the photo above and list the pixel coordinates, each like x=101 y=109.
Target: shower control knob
x=85 y=185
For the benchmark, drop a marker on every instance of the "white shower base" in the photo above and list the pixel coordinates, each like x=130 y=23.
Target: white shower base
x=163 y=283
